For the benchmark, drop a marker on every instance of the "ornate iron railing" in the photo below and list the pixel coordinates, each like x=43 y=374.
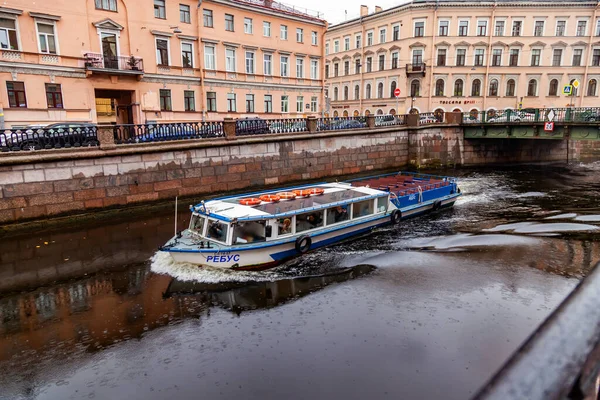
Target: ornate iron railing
x=165 y=132
x=259 y=126
x=289 y=125
x=416 y=68
x=389 y=120
x=340 y=123
x=431 y=118
x=533 y=115
x=100 y=61
x=56 y=136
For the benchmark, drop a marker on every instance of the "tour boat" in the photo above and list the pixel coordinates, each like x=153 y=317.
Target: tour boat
x=262 y=230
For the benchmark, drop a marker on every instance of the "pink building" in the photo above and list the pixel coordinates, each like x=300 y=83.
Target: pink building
x=134 y=61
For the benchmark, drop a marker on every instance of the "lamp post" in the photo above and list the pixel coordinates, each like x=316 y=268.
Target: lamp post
x=412 y=104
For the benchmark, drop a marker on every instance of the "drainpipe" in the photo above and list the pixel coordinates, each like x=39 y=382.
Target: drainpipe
x=433 y=60
x=489 y=60
x=363 y=40
x=322 y=68
x=201 y=63
x=1 y=117
x=588 y=58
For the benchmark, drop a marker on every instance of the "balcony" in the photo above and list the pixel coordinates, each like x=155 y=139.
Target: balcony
x=113 y=65
x=415 y=68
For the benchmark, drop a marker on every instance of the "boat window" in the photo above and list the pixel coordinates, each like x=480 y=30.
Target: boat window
x=284 y=226
x=362 y=208
x=337 y=214
x=197 y=224
x=382 y=203
x=217 y=230
x=309 y=220
x=249 y=232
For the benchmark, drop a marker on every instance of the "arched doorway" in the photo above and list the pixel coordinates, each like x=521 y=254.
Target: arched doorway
x=380 y=112
x=345 y=113
x=413 y=110
x=367 y=113
x=439 y=114
x=355 y=113
x=335 y=114
x=392 y=112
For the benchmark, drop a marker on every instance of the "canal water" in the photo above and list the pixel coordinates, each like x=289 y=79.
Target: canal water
x=428 y=309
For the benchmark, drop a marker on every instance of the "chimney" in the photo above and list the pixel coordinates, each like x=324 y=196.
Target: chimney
x=364 y=11
x=378 y=9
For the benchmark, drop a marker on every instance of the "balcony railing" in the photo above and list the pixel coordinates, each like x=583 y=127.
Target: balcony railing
x=416 y=68
x=97 y=61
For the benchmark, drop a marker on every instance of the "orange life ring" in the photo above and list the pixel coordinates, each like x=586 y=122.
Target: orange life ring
x=270 y=198
x=301 y=193
x=252 y=201
x=286 y=195
x=316 y=191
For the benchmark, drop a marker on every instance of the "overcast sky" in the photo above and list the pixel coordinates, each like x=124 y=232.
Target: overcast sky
x=334 y=9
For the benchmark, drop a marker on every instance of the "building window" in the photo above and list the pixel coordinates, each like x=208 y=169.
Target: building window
x=162 y=52
x=231 y=103
x=382 y=35
x=392 y=89
x=381 y=62
x=47 y=38
x=439 y=87
x=369 y=64
x=481 y=28
x=336 y=69
x=283 y=32
x=284 y=104
x=314 y=69
x=268 y=103
x=476 y=88
x=556 y=57
x=313 y=104
x=299 y=35
x=249 y=103
x=345 y=92
x=184 y=14
x=592 y=87
x=346 y=44
x=165 y=100
x=417 y=57
x=159 y=9
x=108 y=5
x=268 y=64
x=458 y=88
x=419 y=29
x=209 y=57
x=396 y=33
x=16 y=94
x=207 y=17
x=336 y=46
x=443 y=30
x=8 y=34
x=496 y=57
x=561 y=26
x=516 y=29
x=346 y=67
x=189 y=100
x=597 y=28
x=314 y=39
x=463 y=28
x=577 y=53
x=250 y=62
x=187 y=55
x=535 y=57
x=479 y=54
x=358 y=41
x=514 y=58
x=229 y=22
x=284 y=66
x=538 y=29
x=299 y=68
x=54 y=96
x=553 y=91
x=461 y=55
x=326 y=71
x=441 y=57
x=493 y=92
x=596 y=58
x=499 y=30
x=581 y=28
x=510 y=88
x=394 y=60
x=532 y=88
x=380 y=90
x=415 y=88
x=247 y=25
x=368 y=91
x=211 y=101
x=300 y=103
x=266 y=29
x=230 y=60
x=356 y=92
x=335 y=94
x=369 y=38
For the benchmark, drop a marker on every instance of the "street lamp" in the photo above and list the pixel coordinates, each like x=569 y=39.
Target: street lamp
x=412 y=104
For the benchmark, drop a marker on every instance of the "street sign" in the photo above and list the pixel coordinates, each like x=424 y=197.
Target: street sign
x=576 y=83
x=568 y=89
x=551 y=115
x=397 y=92
x=520 y=105
x=548 y=126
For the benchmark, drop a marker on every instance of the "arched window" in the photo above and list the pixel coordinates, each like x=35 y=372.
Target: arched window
x=458 y=87
x=493 y=88
x=345 y=114
x=415 y=88
x=367 y=113
x=335 y=114
x=592 y=87
x=553 y=91
x=532 y=88
x=356 y=92
x=439 y=87
x=380 y=112
x=335 y=94
x=510 y=88
x=355 y=113
x=345 y=92
x=476 y=88
x=392 y=112
x=368 y=91
x=380 y=90
x=392 y=89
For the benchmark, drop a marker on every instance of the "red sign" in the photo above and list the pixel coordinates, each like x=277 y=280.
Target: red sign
x=549 y=126
x=397 y=92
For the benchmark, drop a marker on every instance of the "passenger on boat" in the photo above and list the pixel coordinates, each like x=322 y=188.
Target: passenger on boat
x=215 y=231
x=285 y=226
x=340 y=214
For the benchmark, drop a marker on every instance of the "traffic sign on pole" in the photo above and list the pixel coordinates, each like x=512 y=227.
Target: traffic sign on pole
x=549 y=126
x=576 y=84
x=568 y=90
x=397 y=92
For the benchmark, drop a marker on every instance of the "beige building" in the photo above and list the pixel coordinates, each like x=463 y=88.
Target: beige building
x=138 y=61
x=464 y=56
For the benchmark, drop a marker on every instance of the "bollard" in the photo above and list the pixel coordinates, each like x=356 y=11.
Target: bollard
x=311 y=124
x=106 y=137
x=371 y=121
x=229 y=128
x=412 y=119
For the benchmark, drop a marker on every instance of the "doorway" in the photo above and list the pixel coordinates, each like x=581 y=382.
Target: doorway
x=114 y=106
x=109 y=51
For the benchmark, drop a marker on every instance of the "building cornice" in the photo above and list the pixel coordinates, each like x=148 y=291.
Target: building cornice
x=44 y=16
x=11 y=11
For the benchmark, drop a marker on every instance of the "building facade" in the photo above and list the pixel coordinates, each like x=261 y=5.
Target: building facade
x=139 y=61
x=464 y=56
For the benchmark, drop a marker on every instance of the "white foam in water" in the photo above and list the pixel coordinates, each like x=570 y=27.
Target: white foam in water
x=531 y=227
x=588 y=218
x=532 y=194
x=463 y=240
x=563 y=216
x=163 y=263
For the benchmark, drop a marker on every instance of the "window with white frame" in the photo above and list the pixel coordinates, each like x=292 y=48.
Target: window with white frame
x=463 y=28
x=443 y=28
x=284 y=104
x=266 y=29
x=581 y=28
x=299 y=68
x=327 y=48
x=108 y=5
x=268 y=64
x=8 y=34
x=299 y=35
x=561 y=27
x=283 y=32
x=517 y=27
x=382 y=35
x=209 y=56
x=249 y=62
x=496 y=57
x=513 y=61
x=577 y=56
x=461 y=56
x=229 y=23
x=249 y=103
x=284 y=69
x=314 y=38
x=419 y=28
x=597 y=33
x=557 y=57
x=336 y=46
x=207 y=18
x=159 y=9
x=481 y=28
x=370 y=38
x=300 y=104
x=499 y=28
x=162 y=52
x=187 y=55
x=395 y=58
x=596 y=58
x=536 y=55
x=47 y=38
x=231 y=103
x=313 y=104
x=248 y=25
x=314 y=69
x=230 y=60
x=479 y=57
x=268 y=103
x=358 y=40
x=347 y=43
x=538 y=28
x=396 y=32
